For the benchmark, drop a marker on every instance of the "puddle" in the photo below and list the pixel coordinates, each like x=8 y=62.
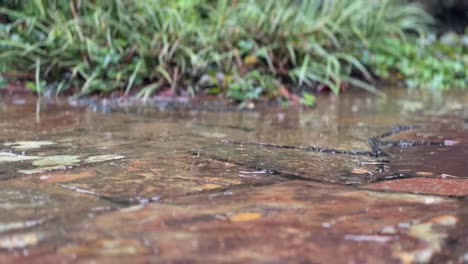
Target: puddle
x=359 y=178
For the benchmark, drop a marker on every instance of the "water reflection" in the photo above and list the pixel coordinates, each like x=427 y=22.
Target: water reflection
x=144 y=183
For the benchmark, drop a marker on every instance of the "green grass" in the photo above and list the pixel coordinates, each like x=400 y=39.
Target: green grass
x=432 y=64
x=243 y=49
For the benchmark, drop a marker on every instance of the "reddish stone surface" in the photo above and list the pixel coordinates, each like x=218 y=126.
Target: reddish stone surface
x=33 y=256
x=206 y=202
x=453 y=187
x=447 y=137
x=300 y=222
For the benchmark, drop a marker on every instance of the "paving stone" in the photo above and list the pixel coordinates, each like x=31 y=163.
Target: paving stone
x=320 y=166
x=32 y=214
x=430 y=161
x=288 y=222
x=438 y=186
x=140 y=180
x=198 y=204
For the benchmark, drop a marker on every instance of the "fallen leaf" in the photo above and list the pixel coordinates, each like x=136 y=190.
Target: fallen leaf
x=42 y=169
x=27 y=145
x=248 y=216
x=210 y=186
x=61 y=160
x=432 y=233
x=19 y=240
x=102 y=158
x=445 y=176
x=11 y=157
x=4 y=227
x=68 y=177
x=424 y=173
x=360 y=171
x=368 y=238
x=212 y=134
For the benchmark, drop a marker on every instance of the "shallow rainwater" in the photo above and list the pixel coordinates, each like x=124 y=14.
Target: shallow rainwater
x=358 y=179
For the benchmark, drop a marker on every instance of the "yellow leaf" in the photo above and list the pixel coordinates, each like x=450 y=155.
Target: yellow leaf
x=424 y=173
x=240 y=217
x=360 y=171
x=250 y=60
x=68 y=176
x=210 y=186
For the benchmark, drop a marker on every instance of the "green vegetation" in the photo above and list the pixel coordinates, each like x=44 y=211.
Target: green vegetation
x=435 y=64
x=243 y=49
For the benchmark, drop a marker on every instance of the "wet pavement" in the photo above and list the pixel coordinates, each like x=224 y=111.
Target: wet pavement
x=358 y=179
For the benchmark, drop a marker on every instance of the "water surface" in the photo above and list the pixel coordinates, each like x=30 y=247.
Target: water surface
x=358 y=178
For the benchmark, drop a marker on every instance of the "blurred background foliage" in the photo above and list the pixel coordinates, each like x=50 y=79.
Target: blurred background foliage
x=242 y=49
